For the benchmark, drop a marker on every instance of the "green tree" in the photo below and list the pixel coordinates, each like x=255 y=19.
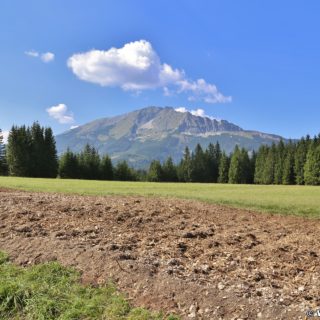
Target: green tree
x=300 y=160
x=279 y=157
x=224 y=165
x=312 y=165
x=89 y=163
x=212 y=155
x=69 y=165
x=169 y=171
x=198 y=165
x=123 y=172
x=239 y=166
x=155 y=173
x=184 y=168
x=288 y=165
x=260 y=164
x=51 y=163
x=19 y=152
x=106 y=168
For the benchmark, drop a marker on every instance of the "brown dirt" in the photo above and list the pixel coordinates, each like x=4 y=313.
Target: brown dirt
x=199 y=260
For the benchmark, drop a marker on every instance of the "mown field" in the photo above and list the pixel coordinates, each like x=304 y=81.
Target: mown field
x=293 y=200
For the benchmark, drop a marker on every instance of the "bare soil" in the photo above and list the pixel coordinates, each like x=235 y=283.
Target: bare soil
x=198 y=260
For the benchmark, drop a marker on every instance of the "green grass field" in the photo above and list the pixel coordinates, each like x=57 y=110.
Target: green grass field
x=50 y=291
x=296 y=200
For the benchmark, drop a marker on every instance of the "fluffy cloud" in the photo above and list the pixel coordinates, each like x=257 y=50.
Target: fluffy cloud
x=197 y=112
x=60 y=113
x=136 y=66
x=45 y=57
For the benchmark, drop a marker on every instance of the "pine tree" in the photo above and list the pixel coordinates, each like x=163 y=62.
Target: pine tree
x=299 y=160
x=184 y=168
x=279 y=158
x=155 y=173
x=51 y=164
x=169 y=171
x=19 y=152
x=106 y=168
x=224 y=165
x=269 y=167
x=123 y=172
x=212 y=155
x=260 y=164
x=69 y=165
x=288 y=165
x=89 y=163
x=312 y=165
x=198 y=165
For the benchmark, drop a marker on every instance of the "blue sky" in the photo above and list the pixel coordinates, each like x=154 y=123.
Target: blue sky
x=258 y=61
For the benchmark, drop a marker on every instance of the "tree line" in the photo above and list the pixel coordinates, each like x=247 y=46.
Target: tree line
x=31 y=152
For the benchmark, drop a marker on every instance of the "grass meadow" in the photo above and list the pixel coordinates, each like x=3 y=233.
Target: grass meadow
x=293 y=200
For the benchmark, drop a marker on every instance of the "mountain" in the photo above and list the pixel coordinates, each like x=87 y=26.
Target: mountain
x=156 y=133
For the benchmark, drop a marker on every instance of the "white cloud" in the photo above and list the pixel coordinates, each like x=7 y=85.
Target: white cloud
x=60 y=112
x=5 y=135
x=32 y=53
x=73 y=127
x=136 y=66
x=47 y=57
x=44 y=57
x=197 y=112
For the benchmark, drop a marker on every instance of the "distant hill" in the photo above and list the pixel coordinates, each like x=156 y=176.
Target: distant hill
x=156 y=133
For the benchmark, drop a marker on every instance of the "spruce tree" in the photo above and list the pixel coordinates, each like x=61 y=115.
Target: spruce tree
x=19 y=150
x=224 y=165
x=123 y=172
x=279 y=158
x=299 y=161
x=260 y=164
x=312 y=165
x=106 y=168
x=198 y=165
x=69 y=165
x=169 y=171
x=268 y=176
x=155 y=173
x=184 y=169
x=288 y=165
x=51 y=164
x=89 y=163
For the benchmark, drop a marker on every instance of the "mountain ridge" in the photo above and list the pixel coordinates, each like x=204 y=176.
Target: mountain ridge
x=154 y=132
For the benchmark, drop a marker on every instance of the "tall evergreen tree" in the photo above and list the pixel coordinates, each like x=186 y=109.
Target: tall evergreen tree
x=69 y=165
x=51 y=164
x=279 y=162
x=123 y=172
x=184 y=168
x=260 y=164
x=270 y=163
x=299 y=160
x=169 y=171
x=89 y=163
x=106 y=168
x=198 y=165
x=155 y=173
x=312 y=165
x=19 y=152
x=212 y=155
x=288 y=165
x=224 y=165
x=239 y=166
